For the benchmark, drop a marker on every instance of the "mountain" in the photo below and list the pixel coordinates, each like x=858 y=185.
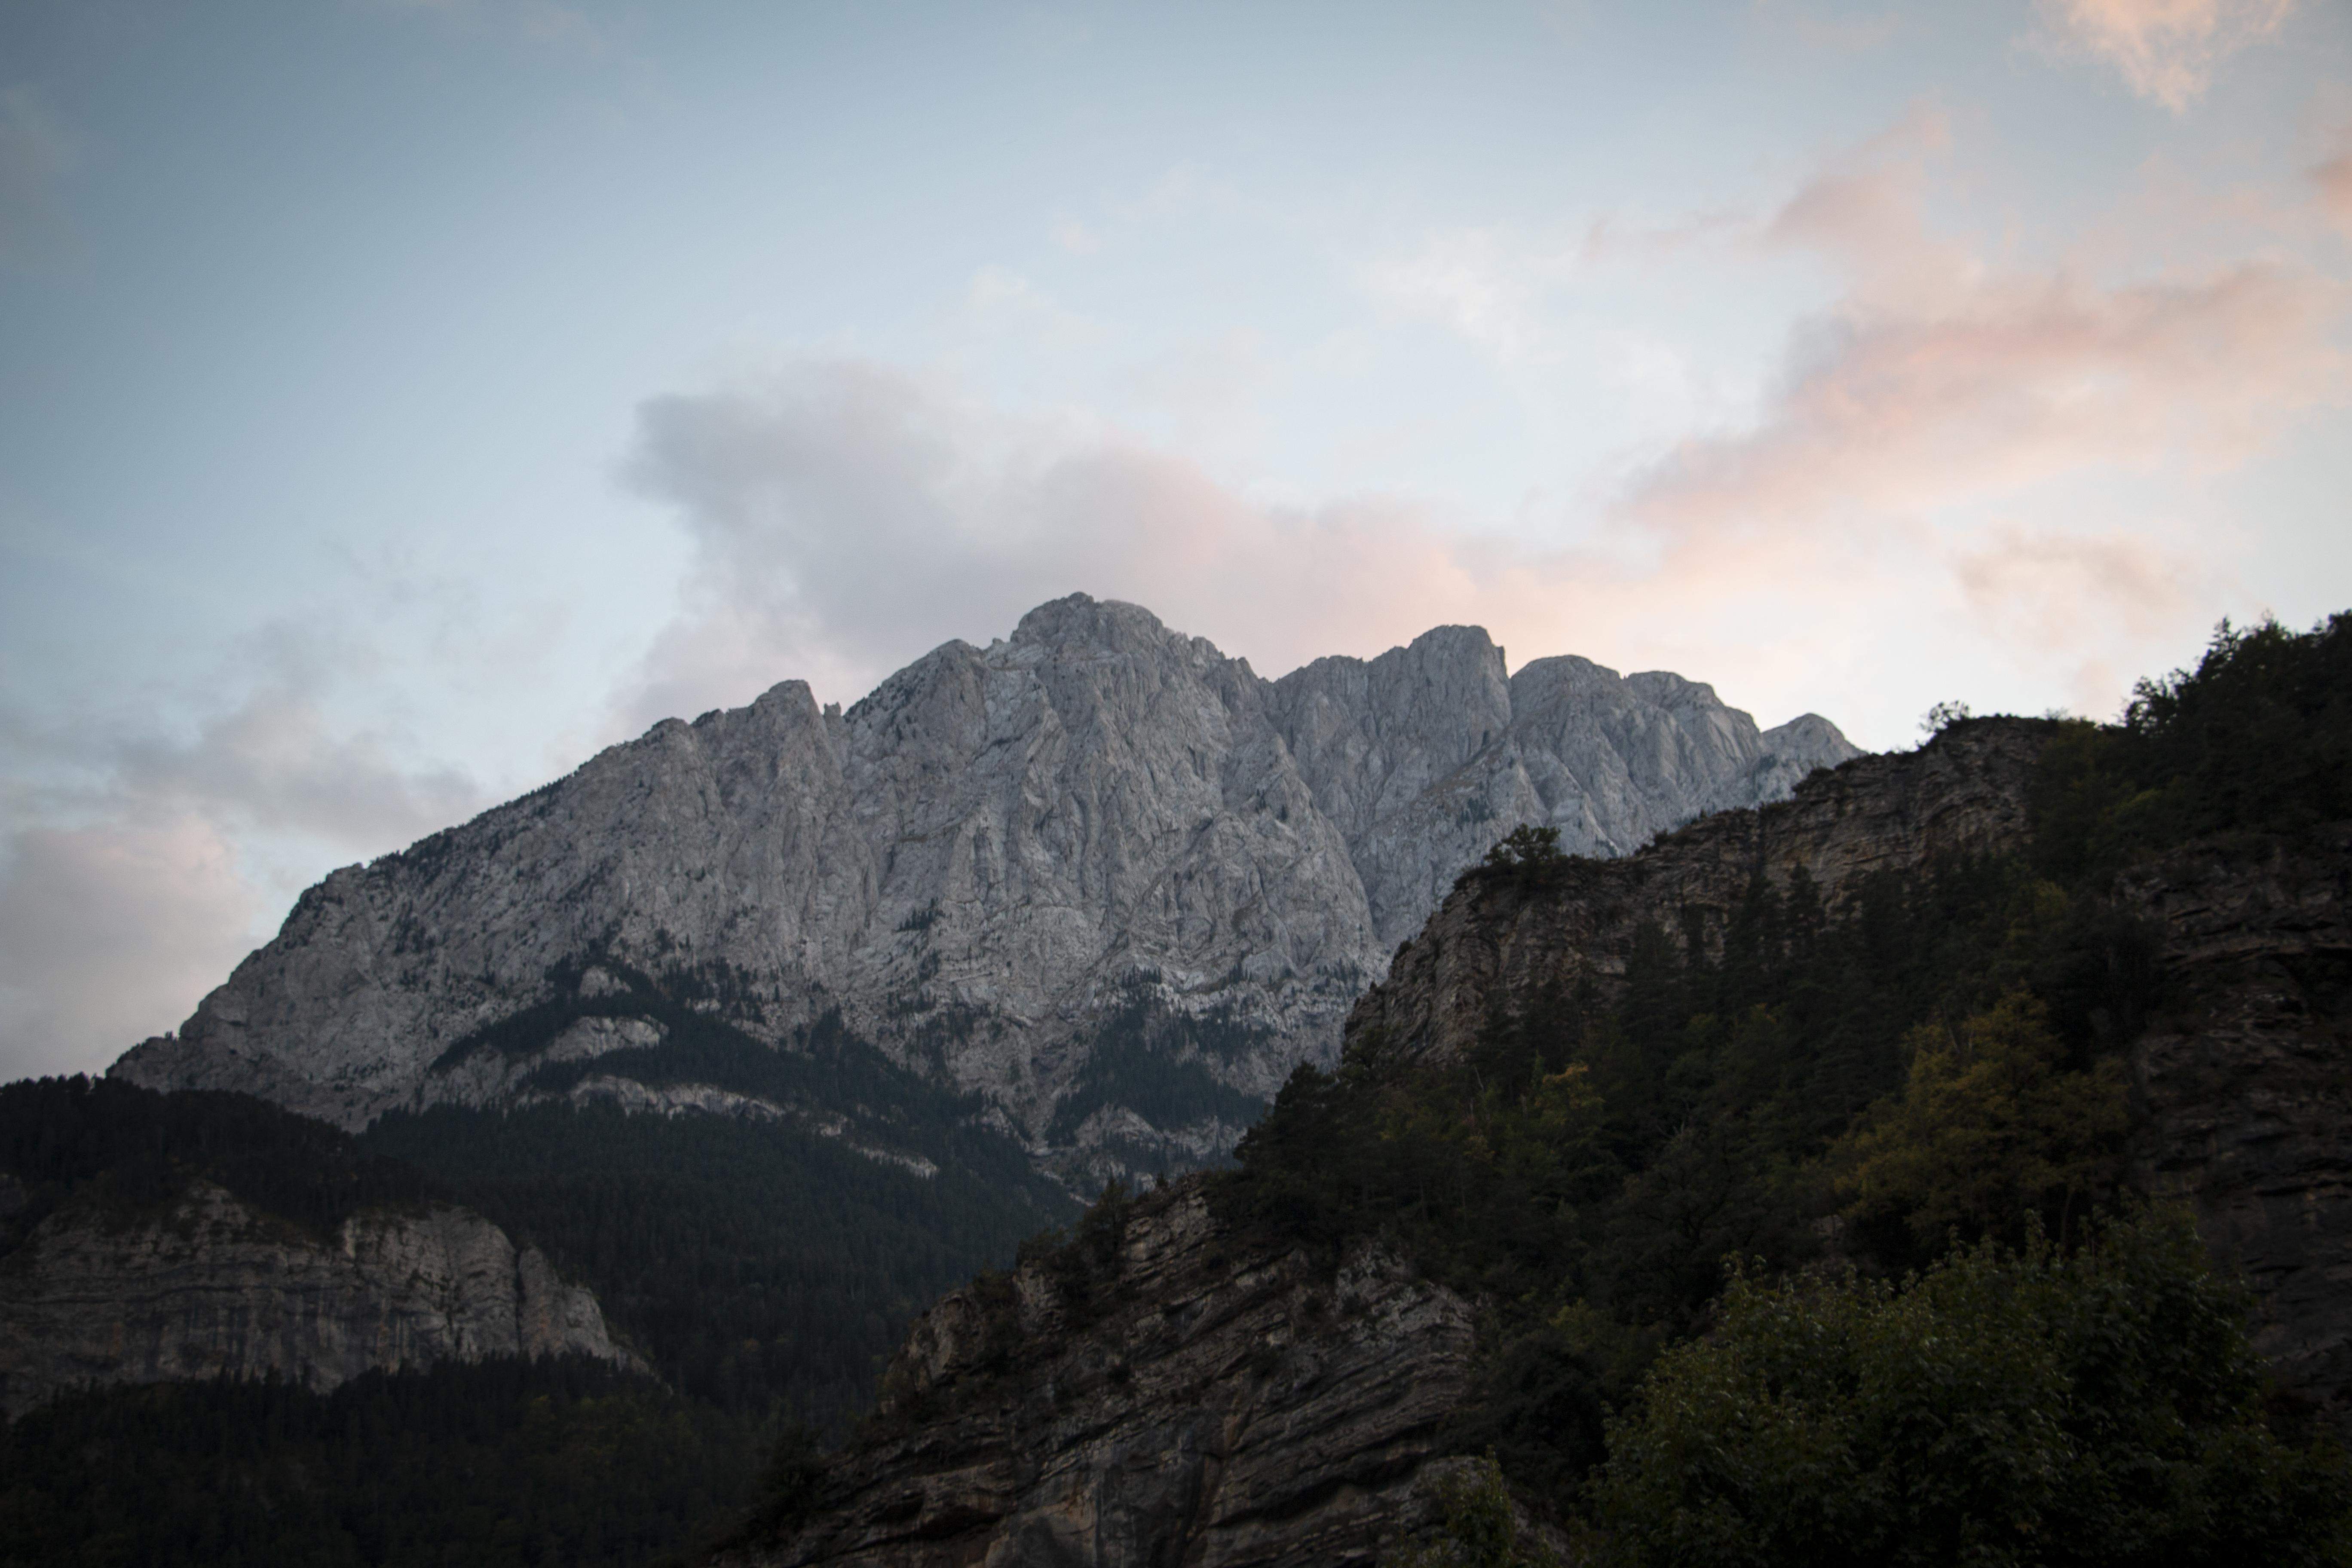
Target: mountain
x=1097 y=877
x=1585 y=1087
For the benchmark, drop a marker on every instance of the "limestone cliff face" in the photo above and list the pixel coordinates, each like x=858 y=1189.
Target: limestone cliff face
x=2245 y=1082
x=1198 y=1400
x=1000 y=858
x=1963 y=794
x=1226 y=1404
x=212 y=1286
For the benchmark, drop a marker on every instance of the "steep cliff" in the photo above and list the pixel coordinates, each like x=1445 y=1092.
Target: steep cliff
x=1097 y=874
x=1496 y=942
x=2245 y=1079
x=1143 y=1427
x=1165 y=1392
x=208 y=1285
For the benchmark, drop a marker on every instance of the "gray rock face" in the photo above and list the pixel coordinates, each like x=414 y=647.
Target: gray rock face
x=1095 y=854
x=2246 y=1081
x=212 y=1287
x=1220 y=1403
x=1965 y=793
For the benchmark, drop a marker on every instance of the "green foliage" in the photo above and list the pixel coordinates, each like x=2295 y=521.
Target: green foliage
x=792 y=1486
x=1526 y=857
x=486 y=1464
x=59 y=1135
x=1939 y=1056
x=1476 y=1526
x=756 y=1265
x=2005 y=1407
x=1155 y=1063
x=2256 y=738
x=1942 y=717
x=1992 y=1131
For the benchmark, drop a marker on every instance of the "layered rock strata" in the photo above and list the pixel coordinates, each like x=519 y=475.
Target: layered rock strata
x=1163 y=1433
x=1000 y=858
x=1200 y=1400
x=2244 y=1081
x=211 y=1287
x=1493 y=942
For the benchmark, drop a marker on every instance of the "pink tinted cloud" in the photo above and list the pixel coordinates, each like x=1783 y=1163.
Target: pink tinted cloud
x=2333 y=180
x=131 y=882
x=1944 y=375
x=2166 y=50
x=847 y=518
x=2039 y=585
x=110 y=933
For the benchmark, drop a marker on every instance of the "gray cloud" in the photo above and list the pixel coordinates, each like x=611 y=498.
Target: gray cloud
x=133 y=873
x=109 y=932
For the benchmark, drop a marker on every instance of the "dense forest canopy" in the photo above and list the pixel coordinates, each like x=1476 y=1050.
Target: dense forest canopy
x=764 y=1270
x=489 y=1464
x=1930 y=1070
x=1714 y=1212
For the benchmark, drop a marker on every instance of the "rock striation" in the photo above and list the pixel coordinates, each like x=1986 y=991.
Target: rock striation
x=1091 y=856
x=1964 y=794
x=209 y=1285
x=2244 y=1080
x=1198 y=1399
x=1226 y=1401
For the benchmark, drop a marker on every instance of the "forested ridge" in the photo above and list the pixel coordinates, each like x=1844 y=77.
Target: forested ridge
x=1911 y=1110
x=485 y=1464
x=763 y=1270
x=1718 y=1214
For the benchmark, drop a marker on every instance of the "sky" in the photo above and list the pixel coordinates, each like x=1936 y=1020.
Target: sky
x=401 y=400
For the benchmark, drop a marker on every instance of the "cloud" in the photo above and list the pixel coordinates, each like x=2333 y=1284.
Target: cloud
x=1831 y=30
x=2333 y=180
x=2166 y=50
x=1903 y=467
x=273 y=763
x=111 y=933
x=1002 y=299
x=2038 y=586
x=133 y=872
x=847 y=516
x=1943 y=375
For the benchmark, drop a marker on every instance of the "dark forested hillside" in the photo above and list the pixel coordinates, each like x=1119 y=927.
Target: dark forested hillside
x=761 y=1267
x=1934 y=1064
x=486 y=1465
x=59 y=1135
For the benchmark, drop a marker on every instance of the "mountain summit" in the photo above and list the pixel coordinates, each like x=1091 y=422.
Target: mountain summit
x=1097 y=875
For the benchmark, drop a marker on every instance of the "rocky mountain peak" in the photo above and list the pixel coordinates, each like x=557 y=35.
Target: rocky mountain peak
x=1097 y=855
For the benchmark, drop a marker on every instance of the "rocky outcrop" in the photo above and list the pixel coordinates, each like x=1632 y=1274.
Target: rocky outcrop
x=995 y=861
x=1230 y=1403
x=210 y=1287
x=1493 y=942
x=2244 y=1080
x=1196 y=1398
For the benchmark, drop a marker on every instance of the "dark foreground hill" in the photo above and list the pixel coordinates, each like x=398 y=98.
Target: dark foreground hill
x=1782 y=1193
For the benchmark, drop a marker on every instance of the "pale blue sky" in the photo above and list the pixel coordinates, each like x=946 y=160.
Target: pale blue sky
x=399 y=401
